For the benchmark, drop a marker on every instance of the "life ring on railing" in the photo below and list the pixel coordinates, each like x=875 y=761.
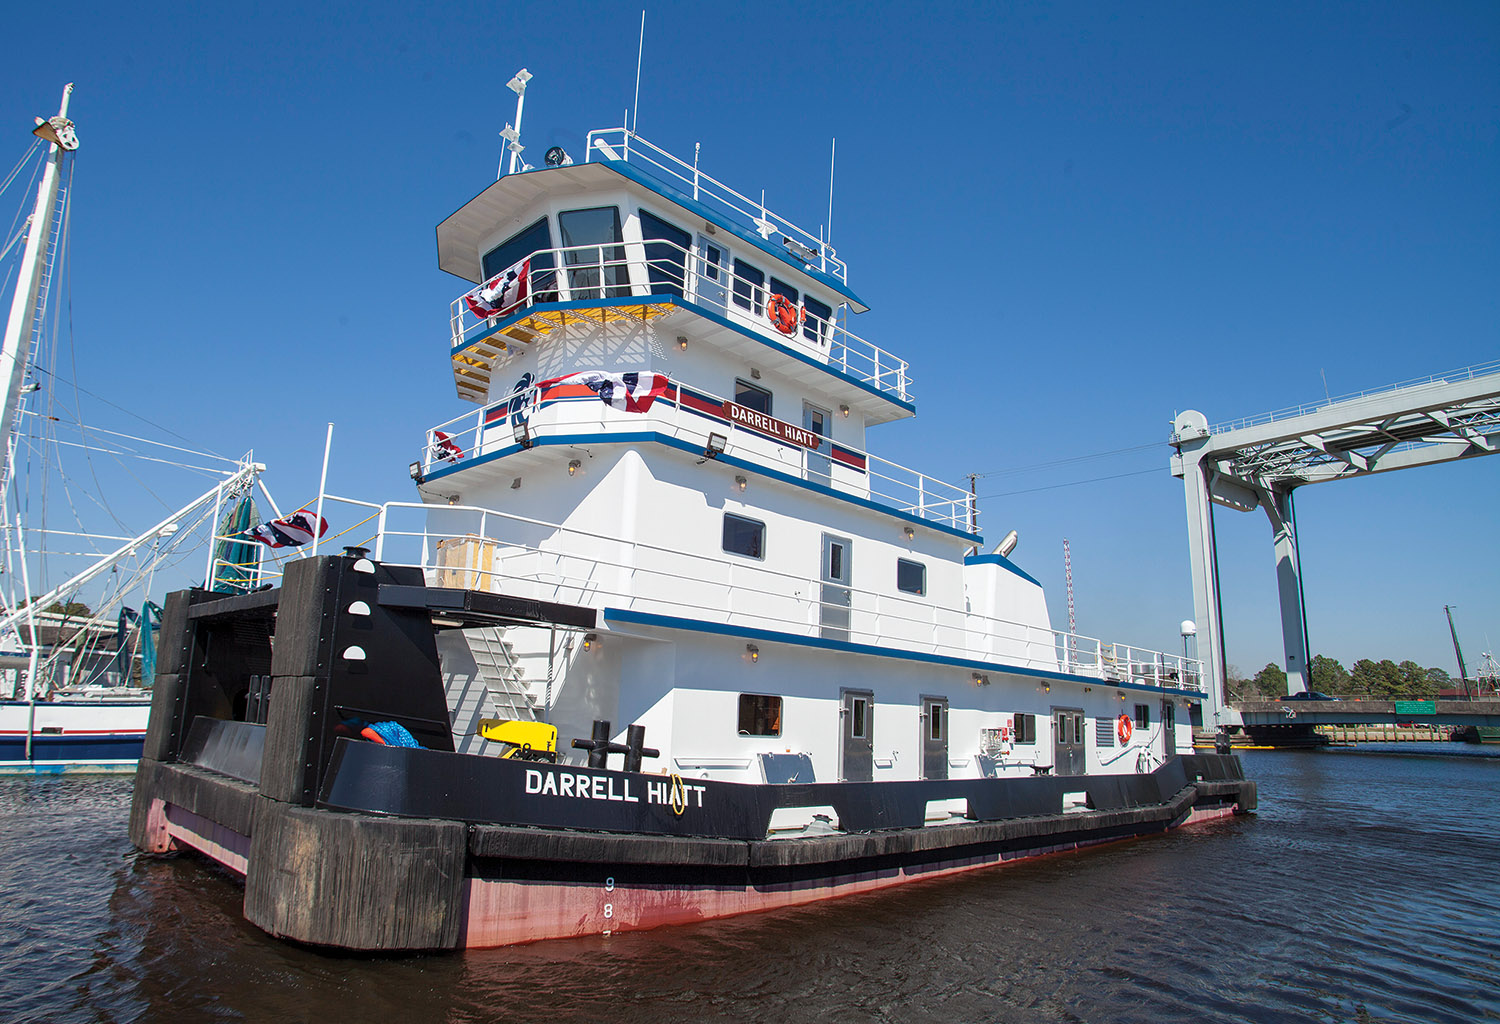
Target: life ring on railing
x=783 y=315
x=1124 y=726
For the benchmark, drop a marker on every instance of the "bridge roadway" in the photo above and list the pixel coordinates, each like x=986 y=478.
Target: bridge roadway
x=1365 y=712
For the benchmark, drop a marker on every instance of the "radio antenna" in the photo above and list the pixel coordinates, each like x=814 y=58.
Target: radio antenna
x=639 y=50
x=833 y=150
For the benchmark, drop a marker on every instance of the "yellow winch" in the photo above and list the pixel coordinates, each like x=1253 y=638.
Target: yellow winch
x=524 y=741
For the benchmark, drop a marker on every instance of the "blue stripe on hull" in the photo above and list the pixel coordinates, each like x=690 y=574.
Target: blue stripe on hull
x=50 y=747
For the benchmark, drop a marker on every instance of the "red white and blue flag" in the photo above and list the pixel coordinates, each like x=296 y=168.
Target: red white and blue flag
x=628 y=392
x=444 y=448
x=290 y=531
x=502 y=293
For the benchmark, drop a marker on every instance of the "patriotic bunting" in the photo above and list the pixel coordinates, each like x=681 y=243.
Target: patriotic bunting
x=628 y=392
x=292 y=531
x=444 y=448
x=502 y=293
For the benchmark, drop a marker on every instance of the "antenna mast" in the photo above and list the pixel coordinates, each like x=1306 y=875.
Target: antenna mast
x=1072 y=621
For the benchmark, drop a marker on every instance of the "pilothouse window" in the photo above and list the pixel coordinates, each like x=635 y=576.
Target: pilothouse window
x=666 y=254
x=818 y=315
x=599 y=265
x=516 y=248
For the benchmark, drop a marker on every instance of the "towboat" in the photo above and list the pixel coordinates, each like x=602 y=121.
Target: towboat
x=660 y=640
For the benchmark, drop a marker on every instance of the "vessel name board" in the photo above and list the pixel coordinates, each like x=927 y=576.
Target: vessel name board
x=781 y=430
x=669 y=792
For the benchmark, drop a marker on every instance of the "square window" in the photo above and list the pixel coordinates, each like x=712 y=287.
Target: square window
x=744 y=536
x=760 y=715
x=752 y=397
x=1143 y=716
x=911 y=577
x=749 y=290
x=815 y=326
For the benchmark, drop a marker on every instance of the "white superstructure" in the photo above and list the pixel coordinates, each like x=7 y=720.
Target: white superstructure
x=766 y=586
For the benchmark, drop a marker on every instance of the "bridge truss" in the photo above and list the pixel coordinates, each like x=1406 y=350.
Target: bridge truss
x=1258 y=463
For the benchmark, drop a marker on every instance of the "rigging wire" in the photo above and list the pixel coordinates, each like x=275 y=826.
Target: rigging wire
x=1072 y=460
x=1070 y=483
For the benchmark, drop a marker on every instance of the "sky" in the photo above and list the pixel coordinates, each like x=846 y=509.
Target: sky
x=1075 y=221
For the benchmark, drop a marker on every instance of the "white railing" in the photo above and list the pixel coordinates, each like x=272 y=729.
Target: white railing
x=609 y=144
x=485 y=549
x=614 y=272
x=1452 y=376
x=883 y=482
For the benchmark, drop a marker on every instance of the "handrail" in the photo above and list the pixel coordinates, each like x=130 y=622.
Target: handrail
x=530 y=562
x=883 y=482
x=632 y=148
x=589 y=272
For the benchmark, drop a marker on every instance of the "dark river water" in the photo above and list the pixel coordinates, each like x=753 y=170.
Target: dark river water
x=1366 y=889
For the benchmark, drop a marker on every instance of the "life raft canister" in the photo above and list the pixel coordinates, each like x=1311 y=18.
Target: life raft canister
x=783 y=315
x=1124 y=726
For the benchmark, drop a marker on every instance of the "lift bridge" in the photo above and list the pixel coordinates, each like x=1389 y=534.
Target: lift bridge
x=1259 y=462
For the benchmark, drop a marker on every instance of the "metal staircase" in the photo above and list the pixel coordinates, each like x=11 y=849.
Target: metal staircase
x=495 y=659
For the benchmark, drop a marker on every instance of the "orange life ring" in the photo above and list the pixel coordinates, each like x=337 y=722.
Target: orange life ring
x=783 y=315
x=1124 y=726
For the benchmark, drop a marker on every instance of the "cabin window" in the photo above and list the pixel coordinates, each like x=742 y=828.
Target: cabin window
x=1143 y=716
x=911 y=577
x=744 y=536
x=596 y=269
x=752 y=396
x=1169 y=716
x=783 y=289
x=749 y=291
x=666 y=254
x=1025 y=728
x=533 y=242
x=760 y=715
x=815 y=325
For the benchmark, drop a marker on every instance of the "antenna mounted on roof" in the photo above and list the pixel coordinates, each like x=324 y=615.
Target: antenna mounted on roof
x=512 y=136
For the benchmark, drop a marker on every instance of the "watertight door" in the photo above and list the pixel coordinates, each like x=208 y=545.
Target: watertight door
x=934 y=720
x=836 y=593
x=816 y=420
x=857 y=736
x=1067 y=741
x=709 y=280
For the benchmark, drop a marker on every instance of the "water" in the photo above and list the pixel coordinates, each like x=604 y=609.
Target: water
x=1365 y=890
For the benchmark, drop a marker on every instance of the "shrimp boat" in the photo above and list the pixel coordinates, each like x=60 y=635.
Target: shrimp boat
x=75 y=674
x=661 y=640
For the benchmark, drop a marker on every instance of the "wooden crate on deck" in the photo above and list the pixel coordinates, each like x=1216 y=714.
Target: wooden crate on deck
x=468 y=563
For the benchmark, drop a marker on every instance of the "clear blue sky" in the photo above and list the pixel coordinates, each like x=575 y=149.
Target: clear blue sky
x=1074 y=220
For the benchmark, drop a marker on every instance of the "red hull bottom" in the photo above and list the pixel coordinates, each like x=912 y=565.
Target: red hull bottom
x=506 y=913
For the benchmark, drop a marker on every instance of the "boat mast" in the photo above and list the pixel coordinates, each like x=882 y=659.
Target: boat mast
x=16 y=354
x=1463 y=673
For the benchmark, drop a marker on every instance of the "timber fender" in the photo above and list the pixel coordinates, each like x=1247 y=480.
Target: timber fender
x=355 y=881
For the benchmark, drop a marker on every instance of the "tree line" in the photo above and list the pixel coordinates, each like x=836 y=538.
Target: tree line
x=1382 y=680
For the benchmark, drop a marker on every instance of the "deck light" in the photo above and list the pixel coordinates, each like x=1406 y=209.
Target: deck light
x=910 y=533
x=521 y=432
x=844 y=411
x=589 y=640
x=981 y=679
x=558 y=157
x=740 y=482
x=416 y=471
x=715 y=447
x=681 y=343
x=753 y=651
x=573 y=467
